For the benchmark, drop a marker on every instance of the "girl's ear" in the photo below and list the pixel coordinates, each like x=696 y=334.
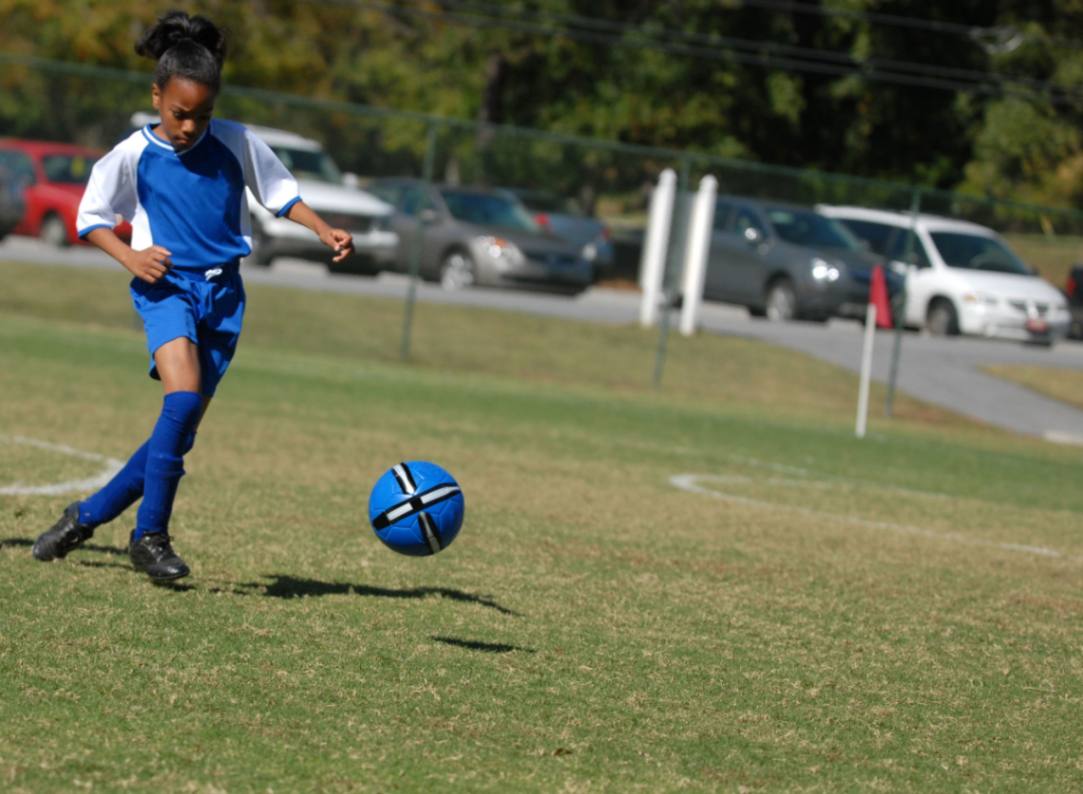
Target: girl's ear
x=155 y=96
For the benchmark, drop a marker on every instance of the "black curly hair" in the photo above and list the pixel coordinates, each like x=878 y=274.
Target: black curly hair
x=184 y=46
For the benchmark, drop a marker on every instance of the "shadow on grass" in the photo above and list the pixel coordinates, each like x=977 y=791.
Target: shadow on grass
x=27 y=543
x=484 y=647
x=285 y=586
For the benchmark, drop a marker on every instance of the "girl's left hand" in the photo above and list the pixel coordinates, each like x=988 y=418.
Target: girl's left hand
x=339 y=241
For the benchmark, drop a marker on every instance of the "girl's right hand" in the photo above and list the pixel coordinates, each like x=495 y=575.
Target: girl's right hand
x=149 y=264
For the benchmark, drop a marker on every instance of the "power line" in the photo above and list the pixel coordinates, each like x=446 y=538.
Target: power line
x=891 y=20
x=720 y=48
x=992 y=39
x=769 y=47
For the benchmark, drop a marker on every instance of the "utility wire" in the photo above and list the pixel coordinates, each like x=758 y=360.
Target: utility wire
x=872 y=71
x=892 y=20
x=765 y=47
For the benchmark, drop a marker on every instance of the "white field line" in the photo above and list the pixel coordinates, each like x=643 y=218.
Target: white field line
x=110 y=466
x=700 y=484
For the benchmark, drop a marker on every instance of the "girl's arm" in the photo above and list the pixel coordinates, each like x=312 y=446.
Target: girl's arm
x=150 y=264
x=338 y=240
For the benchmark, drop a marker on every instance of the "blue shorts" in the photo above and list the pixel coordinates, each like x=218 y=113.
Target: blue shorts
x=206 y=307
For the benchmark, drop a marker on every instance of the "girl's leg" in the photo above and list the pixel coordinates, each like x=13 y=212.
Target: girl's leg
x=126 y=487
x=156 y=467
x=178 y=367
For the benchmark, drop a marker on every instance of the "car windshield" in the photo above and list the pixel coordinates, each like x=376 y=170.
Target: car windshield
x=488 y=209
x=807 y=228
x=72 y=169
x=309 y=164
x=977 y=252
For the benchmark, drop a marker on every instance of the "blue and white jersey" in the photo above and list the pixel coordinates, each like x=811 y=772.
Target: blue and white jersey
x=193 y=202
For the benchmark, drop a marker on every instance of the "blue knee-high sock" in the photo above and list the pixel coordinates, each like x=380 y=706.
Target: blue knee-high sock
x=123 y=490
x=118 y=494
x=165 y=460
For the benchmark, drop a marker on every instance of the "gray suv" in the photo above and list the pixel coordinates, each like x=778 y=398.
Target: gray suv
x=787 y=262
x=478 y=236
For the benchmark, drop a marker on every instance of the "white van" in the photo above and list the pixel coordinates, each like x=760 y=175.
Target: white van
x=960 y=277
x=325 y=189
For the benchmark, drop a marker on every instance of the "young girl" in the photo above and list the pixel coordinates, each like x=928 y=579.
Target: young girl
x=181 y=183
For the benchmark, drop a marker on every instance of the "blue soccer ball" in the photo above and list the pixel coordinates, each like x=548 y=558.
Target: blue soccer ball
x=416 y=508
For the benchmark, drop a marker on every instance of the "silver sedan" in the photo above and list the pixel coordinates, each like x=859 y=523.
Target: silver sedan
x=478 y=236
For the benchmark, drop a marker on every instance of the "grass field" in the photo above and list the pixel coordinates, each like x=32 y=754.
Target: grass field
x=1065 y=385
x=811 y=613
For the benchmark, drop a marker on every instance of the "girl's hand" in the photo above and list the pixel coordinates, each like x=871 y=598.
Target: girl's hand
x=339 y=241
x=150 y=264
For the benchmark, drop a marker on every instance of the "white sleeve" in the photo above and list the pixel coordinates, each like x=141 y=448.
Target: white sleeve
x=269 y=180
x=109 y=192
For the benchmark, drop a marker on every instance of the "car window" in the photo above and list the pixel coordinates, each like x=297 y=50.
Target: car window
x=487 y=209
x=308 y=164
x=877 y=235
x=743 y=219
x=70 y=169
x=977 y=252
x=907 y=247
x=804 y=227
x=392 y=194
x=415 y=199
x=722 y=211
x=18 y=166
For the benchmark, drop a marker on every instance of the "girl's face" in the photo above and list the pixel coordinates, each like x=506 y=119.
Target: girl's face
x=185 y=108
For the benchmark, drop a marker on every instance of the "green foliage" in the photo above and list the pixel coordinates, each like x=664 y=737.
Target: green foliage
x=659 y=74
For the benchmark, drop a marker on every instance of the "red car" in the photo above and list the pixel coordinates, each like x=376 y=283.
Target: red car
x=54 y=176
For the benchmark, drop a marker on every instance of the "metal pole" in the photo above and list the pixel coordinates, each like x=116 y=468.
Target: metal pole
x=900 y=319
x=866 y=371
x=418 y=242
x=678 y=235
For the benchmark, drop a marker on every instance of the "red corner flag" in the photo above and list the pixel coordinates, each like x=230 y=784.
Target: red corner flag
x=878 y=298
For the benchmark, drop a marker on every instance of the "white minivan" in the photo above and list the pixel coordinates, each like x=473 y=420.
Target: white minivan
x=961 y=278
x=329 y=192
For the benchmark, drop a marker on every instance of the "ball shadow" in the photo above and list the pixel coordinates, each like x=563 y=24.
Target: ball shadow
x=484 y=647
x=286 y=586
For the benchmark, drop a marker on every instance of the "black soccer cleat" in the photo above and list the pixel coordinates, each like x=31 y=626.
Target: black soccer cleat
x=66 y=534
x=153 y=555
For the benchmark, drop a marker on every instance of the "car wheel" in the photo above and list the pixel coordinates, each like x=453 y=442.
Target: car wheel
x=781 y=304
x=54 y=232
x=941 y=319
x=458 y=271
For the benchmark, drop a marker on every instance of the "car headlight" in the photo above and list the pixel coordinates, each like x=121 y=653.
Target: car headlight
x=381 y=223
x=823 y=271
x=980 y=298
x=501 y=251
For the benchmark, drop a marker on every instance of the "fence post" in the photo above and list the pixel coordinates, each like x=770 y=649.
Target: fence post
x=653 y=264
x=900 y=319
x=695 y=260
x=418 y=242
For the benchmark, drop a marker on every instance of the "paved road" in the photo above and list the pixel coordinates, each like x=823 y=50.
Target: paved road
x=944 y=372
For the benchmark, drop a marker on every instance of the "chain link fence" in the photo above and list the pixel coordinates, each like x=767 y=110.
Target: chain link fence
x=609 y=180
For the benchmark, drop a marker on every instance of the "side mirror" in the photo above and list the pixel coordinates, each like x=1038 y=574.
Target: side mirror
x=351 y=180
x=428 y=216
x=753 y=236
